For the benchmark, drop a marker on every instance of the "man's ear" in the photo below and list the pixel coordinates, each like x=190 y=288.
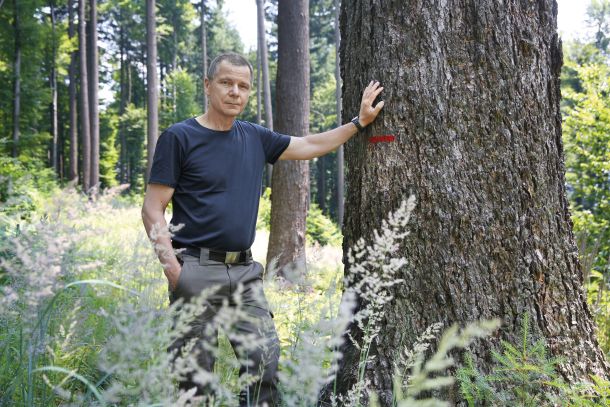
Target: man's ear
x=206 y=84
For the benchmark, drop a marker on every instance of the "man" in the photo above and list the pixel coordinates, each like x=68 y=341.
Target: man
x=211 y=168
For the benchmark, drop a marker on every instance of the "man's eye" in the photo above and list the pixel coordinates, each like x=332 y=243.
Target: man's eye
x=244 y=87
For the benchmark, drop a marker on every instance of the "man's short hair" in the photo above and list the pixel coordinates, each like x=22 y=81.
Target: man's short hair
x=232 y=58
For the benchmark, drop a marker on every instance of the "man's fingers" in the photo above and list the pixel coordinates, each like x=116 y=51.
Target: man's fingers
x=370 y=94
x=379 y=107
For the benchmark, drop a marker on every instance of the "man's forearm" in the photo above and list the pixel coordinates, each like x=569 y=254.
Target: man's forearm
x=158 y=233
x=316 y=145
x=329 y=140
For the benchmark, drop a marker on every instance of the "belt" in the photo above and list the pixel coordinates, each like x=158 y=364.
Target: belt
x=217 y=255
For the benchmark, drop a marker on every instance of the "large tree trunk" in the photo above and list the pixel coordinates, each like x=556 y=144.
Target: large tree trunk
x=340 y=155
x=472 y=97
x=204 y=52
x=85 y=123
x=16 y=80
x=290 y=183
x=93 y=95
x=262 y=51
x=152 y=86
x=73 y=171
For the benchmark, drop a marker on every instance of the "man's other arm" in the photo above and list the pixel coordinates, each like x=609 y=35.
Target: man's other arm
x=153 y=216
x=316 y=145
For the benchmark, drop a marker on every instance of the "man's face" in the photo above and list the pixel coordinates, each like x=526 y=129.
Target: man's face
x=228 y=92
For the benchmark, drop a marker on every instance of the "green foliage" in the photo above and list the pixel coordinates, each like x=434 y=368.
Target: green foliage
x=323 y=115
x=320 y=229
x=524 y=375
x=587 y=148
x=599 y=302
x=23 y=186
x=598 y=13
x=109 y=155
x=181 y=101
x=133 y=123
x=264 y=211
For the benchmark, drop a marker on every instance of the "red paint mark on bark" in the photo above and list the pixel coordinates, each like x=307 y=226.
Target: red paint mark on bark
x=386 y=138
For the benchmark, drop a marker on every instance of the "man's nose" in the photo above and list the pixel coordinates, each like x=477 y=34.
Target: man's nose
x=234 y=90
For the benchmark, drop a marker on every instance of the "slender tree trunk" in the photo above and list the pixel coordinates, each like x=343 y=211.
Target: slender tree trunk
x=93 y=96
x=472 y=98
x=152 y=89
x=262 y=46
x=73 y=171
x=290 y=183
x=53 y=82
x=122 y=107
x=259 y=110
x=174 y=68
x=16 y=80
x=340 y=157
x=321 y=182
x=84 y=97
x=204 y=52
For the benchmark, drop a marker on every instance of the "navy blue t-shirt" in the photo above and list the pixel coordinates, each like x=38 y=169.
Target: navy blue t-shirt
x=217 y=177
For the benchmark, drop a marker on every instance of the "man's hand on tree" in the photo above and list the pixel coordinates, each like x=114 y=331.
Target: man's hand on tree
x=368 y=112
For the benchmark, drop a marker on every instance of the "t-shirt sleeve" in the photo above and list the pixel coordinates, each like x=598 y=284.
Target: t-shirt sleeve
x=167 y=161
x=274 y=144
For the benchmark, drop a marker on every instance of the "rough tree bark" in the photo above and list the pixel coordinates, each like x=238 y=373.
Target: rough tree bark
x=85 y=123
x=472 y=96
x=340 y=153
x=152 y=86
x=290 y=182
x=262 y=48
x=73 y=170
x=16 y=80
x=94 y=116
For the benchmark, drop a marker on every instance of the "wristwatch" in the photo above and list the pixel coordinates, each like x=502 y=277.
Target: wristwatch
x=356 y=122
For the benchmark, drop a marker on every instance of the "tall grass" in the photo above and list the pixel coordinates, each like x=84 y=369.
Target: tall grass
x=85 y=320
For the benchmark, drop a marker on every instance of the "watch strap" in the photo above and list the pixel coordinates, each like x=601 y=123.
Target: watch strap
x=356 y=122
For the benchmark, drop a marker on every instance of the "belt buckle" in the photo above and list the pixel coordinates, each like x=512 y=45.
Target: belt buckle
x=232 y=257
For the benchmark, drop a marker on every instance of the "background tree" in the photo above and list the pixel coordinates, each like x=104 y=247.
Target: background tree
x=72 y=125
x=472 y=97
x=53 y=84
x=290 y=183
x=264 y=60
x=204 y=53
x=151 y=84
x=597 y=17
x=93 y=78
x=85 y=123
x=340 y=156
x=16 y=78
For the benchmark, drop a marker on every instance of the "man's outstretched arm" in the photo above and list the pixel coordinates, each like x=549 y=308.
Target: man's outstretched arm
x=153 y=216
x=316 y=145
